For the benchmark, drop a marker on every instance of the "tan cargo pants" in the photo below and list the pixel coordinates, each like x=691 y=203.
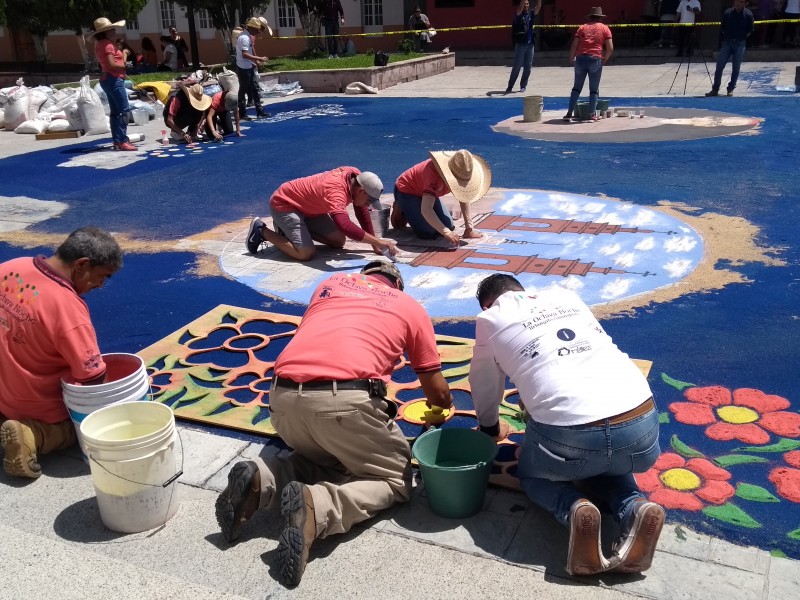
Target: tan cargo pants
x=49 y=437
x=354 y=459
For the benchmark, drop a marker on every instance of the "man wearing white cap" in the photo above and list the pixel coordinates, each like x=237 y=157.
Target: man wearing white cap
x=350 y=458
x=418 y=190
x=315 y=208
x=247 y=63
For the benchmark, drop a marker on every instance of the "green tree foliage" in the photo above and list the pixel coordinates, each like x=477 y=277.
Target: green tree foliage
x=227 y=14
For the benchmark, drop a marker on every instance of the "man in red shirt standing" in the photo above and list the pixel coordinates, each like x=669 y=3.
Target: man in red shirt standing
x=315 y=208
x=46 y=335
x=592 y=47
x=328 y=402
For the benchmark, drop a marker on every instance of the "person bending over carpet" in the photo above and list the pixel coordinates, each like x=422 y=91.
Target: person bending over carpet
x=417 y=192
x=185 y=110
x=592 y=418
x=350 y=459
x=46 y=334
x=222 y=116
x=315 y=208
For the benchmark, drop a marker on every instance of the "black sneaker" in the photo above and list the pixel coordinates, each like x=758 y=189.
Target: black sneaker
x=712 y=93
x=299 y=531
x=730 y=93
x=254 y=239
x=263 y=114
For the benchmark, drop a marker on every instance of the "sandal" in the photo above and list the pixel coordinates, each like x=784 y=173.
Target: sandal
x=594 y=118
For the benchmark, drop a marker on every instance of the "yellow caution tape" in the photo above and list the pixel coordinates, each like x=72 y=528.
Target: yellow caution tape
x=487 y=27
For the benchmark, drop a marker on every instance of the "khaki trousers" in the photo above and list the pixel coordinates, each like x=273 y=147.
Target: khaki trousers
x=353 y=458
x=49 y=436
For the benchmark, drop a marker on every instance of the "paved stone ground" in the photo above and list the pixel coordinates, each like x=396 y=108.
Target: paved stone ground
x=54 y=544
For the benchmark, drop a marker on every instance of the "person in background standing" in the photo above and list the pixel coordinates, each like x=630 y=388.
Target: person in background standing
x=591 y=49
x=169 y=55
x=687 y=14
x=524 y=37
x=180 y=46
x=149 y=54
x=112 y=80
x=737 y=25
x=791 y=35
x=247 y=63
x=333 y=17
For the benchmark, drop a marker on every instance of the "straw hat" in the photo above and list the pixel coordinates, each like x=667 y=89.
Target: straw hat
x=596 y=11
x=253 y=23
x=196 y=96
x=466 y=174
x=265 y=25
x=103 y=24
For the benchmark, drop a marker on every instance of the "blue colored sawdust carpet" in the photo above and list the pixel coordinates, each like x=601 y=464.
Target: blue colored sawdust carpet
x=724 y=357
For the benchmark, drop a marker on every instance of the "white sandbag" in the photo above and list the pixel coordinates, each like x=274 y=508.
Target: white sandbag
x=74 y=117
x=142 y=105
x=357 y=87
x=228 y=81
x=95 y=120
x=16 y=112
x=59 y=125
x=36 y=97
x=61 y=100
x=32 y=126
x=101 y=93
x=2 y=115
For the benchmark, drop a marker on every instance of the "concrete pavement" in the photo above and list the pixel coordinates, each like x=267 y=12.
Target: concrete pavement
x=54 y=544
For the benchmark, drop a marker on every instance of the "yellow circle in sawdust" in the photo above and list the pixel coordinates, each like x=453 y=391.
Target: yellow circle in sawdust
x=680 y=479
x=737 y=414
x=418 y=412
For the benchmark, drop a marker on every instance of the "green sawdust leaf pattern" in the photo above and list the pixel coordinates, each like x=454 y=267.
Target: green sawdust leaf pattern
x=663 y=418
x=755 y=493
x=795 y=535
x=678 y=385
x=730 y=460
x=730 y=513
x=684 y=450
x=784 y=445
x=777 y=553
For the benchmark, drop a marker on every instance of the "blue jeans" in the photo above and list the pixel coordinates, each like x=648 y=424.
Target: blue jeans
x=248 y=86
x=559 y=465
x=412 y=209
x=733 y=51
x=592 y=66
x=117 y=95
x=523 y=59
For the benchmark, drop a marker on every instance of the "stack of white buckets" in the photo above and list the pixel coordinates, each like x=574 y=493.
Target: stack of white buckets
x=129 y=443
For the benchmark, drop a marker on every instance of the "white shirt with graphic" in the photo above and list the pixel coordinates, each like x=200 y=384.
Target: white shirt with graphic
x=567 y=369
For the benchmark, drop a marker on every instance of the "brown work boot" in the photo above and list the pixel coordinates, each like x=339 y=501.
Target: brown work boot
x=585 y=556
x=634 y=550
x=299 y=531
x=19 y=445
x=240 y=500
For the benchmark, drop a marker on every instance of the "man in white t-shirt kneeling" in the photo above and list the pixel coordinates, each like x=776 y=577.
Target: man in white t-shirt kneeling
x=592 y=420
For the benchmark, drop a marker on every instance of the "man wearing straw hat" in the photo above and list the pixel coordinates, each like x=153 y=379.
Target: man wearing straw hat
x=186 y=109
x=46 y=335
x=350 y=458
x=592 y=421
x=418 y=190
x=247 y=63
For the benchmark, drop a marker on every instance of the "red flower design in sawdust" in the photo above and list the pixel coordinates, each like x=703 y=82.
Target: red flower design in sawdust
x=787 y=480
x=674 y=482
x=747 y=415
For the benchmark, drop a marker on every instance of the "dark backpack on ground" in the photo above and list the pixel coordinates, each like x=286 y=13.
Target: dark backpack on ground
x=381 y=58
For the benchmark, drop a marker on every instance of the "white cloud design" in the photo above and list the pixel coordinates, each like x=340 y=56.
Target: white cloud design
x=468 y=286
x=642 y=218
x=678 y=268
x=611 y=217
x=610 y=249
x=615 y=289
x=432 y=279
x=626 y=259
x=516 y=202
x=593 y=207
x=680 y=244
x=647 y=243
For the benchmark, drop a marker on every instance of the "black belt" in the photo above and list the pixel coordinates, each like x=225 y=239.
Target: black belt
x=644 y=408
x=376 y=387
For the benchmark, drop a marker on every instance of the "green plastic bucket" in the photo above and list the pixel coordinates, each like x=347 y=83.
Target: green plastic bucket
x=455 y=466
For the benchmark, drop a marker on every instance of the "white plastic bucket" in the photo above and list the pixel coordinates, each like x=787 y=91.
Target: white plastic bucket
x=132 y=457
x=140 y=116
x=127 y=382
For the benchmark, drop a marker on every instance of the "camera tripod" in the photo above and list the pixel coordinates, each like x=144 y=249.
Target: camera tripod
x=691 y=46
